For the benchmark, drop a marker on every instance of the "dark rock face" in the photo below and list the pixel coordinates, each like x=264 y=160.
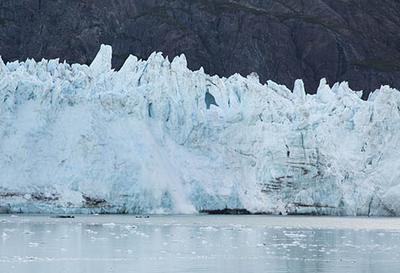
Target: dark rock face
x=282 y=40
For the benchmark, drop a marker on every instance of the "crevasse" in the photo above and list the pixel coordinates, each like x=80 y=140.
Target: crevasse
x=156 y=137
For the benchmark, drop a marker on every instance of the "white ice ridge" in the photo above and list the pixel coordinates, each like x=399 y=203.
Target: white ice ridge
x=156 y=137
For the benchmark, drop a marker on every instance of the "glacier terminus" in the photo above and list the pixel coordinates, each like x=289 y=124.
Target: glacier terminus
x=156 y=137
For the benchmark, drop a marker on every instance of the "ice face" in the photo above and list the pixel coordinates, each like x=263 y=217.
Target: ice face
x=156 y=137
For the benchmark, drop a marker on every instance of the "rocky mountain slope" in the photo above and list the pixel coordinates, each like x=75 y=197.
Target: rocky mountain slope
x=282 y=40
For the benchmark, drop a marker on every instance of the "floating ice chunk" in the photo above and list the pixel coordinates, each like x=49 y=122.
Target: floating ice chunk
x=33 y=244
x=111 y=225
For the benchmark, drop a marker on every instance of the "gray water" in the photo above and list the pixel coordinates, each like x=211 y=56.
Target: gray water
x=40 y=244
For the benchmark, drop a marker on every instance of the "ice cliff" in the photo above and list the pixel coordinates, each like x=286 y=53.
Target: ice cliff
x=156 y=137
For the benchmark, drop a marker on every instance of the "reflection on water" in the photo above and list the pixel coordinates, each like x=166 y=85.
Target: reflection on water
x=198 y=244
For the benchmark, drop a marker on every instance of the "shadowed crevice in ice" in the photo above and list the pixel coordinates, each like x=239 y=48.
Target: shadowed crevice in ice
x=210 y=100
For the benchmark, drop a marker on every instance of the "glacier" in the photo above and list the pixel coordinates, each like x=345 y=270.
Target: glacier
x=156 y=137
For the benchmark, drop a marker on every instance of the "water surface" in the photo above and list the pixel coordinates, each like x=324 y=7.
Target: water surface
x=40 y=244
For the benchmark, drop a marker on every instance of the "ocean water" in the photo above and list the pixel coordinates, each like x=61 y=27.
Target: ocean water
x=201 y=243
